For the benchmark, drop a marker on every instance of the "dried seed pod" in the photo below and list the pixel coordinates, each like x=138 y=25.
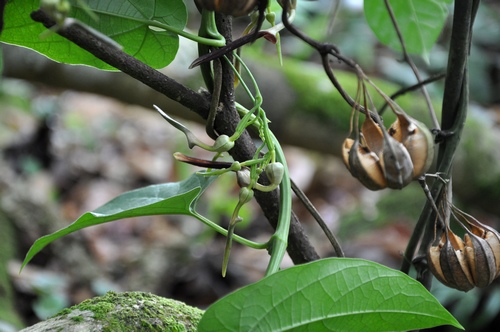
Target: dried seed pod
x=480 y=259
x=490 y=235
x=433 y=259
x=363 y=164
x=373 y=136
x=396 y=163
x=494 y=242
x=417 y=139
x=454 y=265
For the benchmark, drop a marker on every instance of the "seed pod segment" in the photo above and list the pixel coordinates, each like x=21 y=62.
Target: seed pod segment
x=417 y=139
x=363 y=164
x=433 y=254
x=494 y=242
x=480 y=259
x=489 y=234
x=396 y=163
x=373 y=136
x=454 y=265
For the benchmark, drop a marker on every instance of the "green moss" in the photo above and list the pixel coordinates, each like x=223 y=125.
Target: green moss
x=136 y=311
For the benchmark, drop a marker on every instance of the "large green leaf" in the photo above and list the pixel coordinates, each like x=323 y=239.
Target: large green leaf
x=336 y=294
x=125 y=21
x=420 y=22
x=167 y=198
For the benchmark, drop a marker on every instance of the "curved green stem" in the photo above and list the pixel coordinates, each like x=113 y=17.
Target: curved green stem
x=201 y=40
x=279 y=241
x=223 y=231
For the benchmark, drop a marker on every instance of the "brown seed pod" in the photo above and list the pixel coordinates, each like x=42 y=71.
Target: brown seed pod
x=363 y=164
x=433 y=259
x=480 y=259
x=484 y=234
x=454 y=265
x=417 y=139
x=494 y=242
x=373 y=136
x=396 y=163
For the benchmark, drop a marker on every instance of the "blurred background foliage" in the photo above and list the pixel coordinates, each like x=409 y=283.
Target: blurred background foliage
x=65 y=152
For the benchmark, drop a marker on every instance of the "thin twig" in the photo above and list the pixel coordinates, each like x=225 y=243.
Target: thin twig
x=410 y=62
x=326 y=49
x=312 y=210
x=411 y=88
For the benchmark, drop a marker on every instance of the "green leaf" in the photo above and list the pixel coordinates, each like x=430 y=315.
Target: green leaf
x=125 y=21
x=420 y=23
x=167 y=198
x=335 y=294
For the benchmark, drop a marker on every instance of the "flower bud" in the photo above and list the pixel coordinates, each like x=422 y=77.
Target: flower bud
x=223 y=144
x=274 y=172
x=245 y=195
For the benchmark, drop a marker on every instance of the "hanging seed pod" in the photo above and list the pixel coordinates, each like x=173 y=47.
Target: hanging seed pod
x=453 y=263
x=363 y=164
x=417 y=139
x=396 y=163
x=229 y=7
x=373 y=136
x=480 y=259
x=480 y=235
x=494 y=242
x=433 y=258
x=473 y=262
x=395 y=160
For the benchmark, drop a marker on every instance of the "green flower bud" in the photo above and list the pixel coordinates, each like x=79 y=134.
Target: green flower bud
x=246 y=195
x=274 y=172
x=223 y=144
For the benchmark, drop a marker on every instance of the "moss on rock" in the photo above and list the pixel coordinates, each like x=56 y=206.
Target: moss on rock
x=130 y=311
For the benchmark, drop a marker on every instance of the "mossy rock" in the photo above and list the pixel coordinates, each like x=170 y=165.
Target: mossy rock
x=129 y=311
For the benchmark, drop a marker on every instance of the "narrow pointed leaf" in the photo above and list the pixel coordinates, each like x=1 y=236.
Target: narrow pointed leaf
x=336 y=294
x=159 y=199
x=125 y=21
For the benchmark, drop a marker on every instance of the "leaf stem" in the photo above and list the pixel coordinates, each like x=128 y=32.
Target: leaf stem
x=223 y=231
x=207 y=41
x=279 y=241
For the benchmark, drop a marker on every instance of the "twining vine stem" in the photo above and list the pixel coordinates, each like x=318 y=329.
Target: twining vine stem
x=454 y=113
x=299 y=247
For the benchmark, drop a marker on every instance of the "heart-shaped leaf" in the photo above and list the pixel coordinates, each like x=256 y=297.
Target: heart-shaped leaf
x=335 y=294
x=166 y=198
x=420 y=23
x=125 y=21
